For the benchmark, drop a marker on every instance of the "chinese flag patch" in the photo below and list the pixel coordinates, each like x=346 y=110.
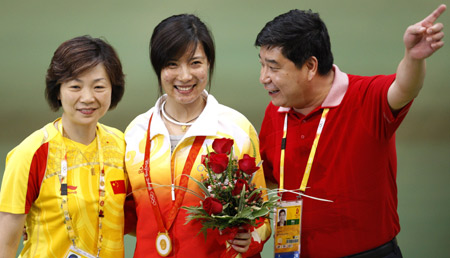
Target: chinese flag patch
x=118 y=186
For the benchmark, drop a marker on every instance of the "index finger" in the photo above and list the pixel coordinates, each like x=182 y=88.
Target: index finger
x=435 y=14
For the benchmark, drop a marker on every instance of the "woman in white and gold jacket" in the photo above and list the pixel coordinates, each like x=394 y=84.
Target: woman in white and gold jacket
x=157 y=152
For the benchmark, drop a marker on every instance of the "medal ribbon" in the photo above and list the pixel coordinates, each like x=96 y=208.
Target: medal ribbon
x=311 y=154
x=64 y=196
x=180 y=193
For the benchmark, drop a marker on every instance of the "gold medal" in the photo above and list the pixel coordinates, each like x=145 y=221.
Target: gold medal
x=163 y=244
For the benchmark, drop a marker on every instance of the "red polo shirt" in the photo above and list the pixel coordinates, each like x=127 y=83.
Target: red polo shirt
x=355 y=165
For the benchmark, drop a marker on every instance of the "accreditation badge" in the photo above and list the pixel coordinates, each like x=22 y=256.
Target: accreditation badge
x=74 y=252
x=287 y=229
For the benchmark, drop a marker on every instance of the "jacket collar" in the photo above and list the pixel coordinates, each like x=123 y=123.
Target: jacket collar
x=206 y=124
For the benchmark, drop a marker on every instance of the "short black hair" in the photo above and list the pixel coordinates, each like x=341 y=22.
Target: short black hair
x=300 y=35
x=76 y=56
x=173 y=36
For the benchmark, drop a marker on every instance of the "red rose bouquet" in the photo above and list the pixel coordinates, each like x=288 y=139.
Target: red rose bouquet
x=230 y=199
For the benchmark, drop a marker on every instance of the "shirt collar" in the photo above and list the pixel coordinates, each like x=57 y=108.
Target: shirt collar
x=206 y=124
x=338 y=89
x=337 y=92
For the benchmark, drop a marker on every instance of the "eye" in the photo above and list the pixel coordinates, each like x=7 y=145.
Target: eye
x=171 y=65
x=273 y=69
x=99 y=87
x=74 y=87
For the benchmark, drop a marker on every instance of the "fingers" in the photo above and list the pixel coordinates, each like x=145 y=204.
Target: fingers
x=241 y=242
x=24 y=233
x=416 y=29
x=437 y=45
x=431 y=32
x=430 y=19
x=427 y=24
x=436 y=28
x=434 y=36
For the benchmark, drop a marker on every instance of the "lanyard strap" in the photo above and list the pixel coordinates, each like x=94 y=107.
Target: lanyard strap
x=311 y=154
x=283 y=150
x=64 y=196
x=180 y=193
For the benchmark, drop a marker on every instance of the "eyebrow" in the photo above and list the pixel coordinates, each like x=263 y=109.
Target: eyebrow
x=272 y=61
x=198 y=57
x=95 y=80
x=190 y=59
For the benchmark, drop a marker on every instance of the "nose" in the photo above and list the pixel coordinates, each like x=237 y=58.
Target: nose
x=87 y=95
x=184 y=73
x=264 y=77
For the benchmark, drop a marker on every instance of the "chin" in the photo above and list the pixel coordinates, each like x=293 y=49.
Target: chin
x=275 y=103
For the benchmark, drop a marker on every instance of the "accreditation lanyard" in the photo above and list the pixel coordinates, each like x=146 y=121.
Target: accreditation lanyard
x=179 y=196
x=101 y=200
x=311 y=154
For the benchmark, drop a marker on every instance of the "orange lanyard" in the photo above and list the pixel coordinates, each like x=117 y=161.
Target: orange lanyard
x=311 y=154
x=198 y=142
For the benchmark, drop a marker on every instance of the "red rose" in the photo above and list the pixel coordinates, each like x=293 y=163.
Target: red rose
x=218 y=162
x=212 y=206
x=247 y=164
x=222 y=145
x=204 y=158
x=239 y=186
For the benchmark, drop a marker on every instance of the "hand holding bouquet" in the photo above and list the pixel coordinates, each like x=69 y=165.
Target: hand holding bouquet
x=231 y=201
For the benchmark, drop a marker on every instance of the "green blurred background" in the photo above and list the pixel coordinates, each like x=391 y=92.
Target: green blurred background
x=366 y=39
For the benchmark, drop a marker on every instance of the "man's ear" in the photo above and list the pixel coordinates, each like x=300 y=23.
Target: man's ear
x=312 y=64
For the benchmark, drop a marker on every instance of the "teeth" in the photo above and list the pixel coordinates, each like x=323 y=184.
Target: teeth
x=182 y=88
x=86 y=111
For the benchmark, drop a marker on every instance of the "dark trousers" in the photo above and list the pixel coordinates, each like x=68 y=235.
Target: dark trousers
x=388 y=250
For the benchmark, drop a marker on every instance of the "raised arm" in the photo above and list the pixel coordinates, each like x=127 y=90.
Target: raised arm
x=421 y=41
x=11 y=227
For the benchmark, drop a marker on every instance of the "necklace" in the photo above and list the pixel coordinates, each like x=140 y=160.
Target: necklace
x=174 y=121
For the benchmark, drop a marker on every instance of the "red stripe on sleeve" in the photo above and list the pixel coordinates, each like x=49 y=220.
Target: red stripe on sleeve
x=37 y=172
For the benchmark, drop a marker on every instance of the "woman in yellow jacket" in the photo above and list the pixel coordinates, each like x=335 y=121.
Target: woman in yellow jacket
x=66 y=181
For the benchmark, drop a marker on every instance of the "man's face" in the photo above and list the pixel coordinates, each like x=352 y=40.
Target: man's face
x=285 y=83
x=282 y=216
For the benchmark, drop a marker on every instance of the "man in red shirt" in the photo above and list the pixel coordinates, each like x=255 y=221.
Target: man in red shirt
x=354 y=164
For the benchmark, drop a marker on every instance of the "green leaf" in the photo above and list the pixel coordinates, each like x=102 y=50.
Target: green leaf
x=260 y=212
x=245 y=213
x=242 y=199
x=201 y=185
x=256 y=191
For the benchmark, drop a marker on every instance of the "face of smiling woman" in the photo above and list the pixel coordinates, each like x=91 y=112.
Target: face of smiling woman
x=85 y=99
x=185 y=79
